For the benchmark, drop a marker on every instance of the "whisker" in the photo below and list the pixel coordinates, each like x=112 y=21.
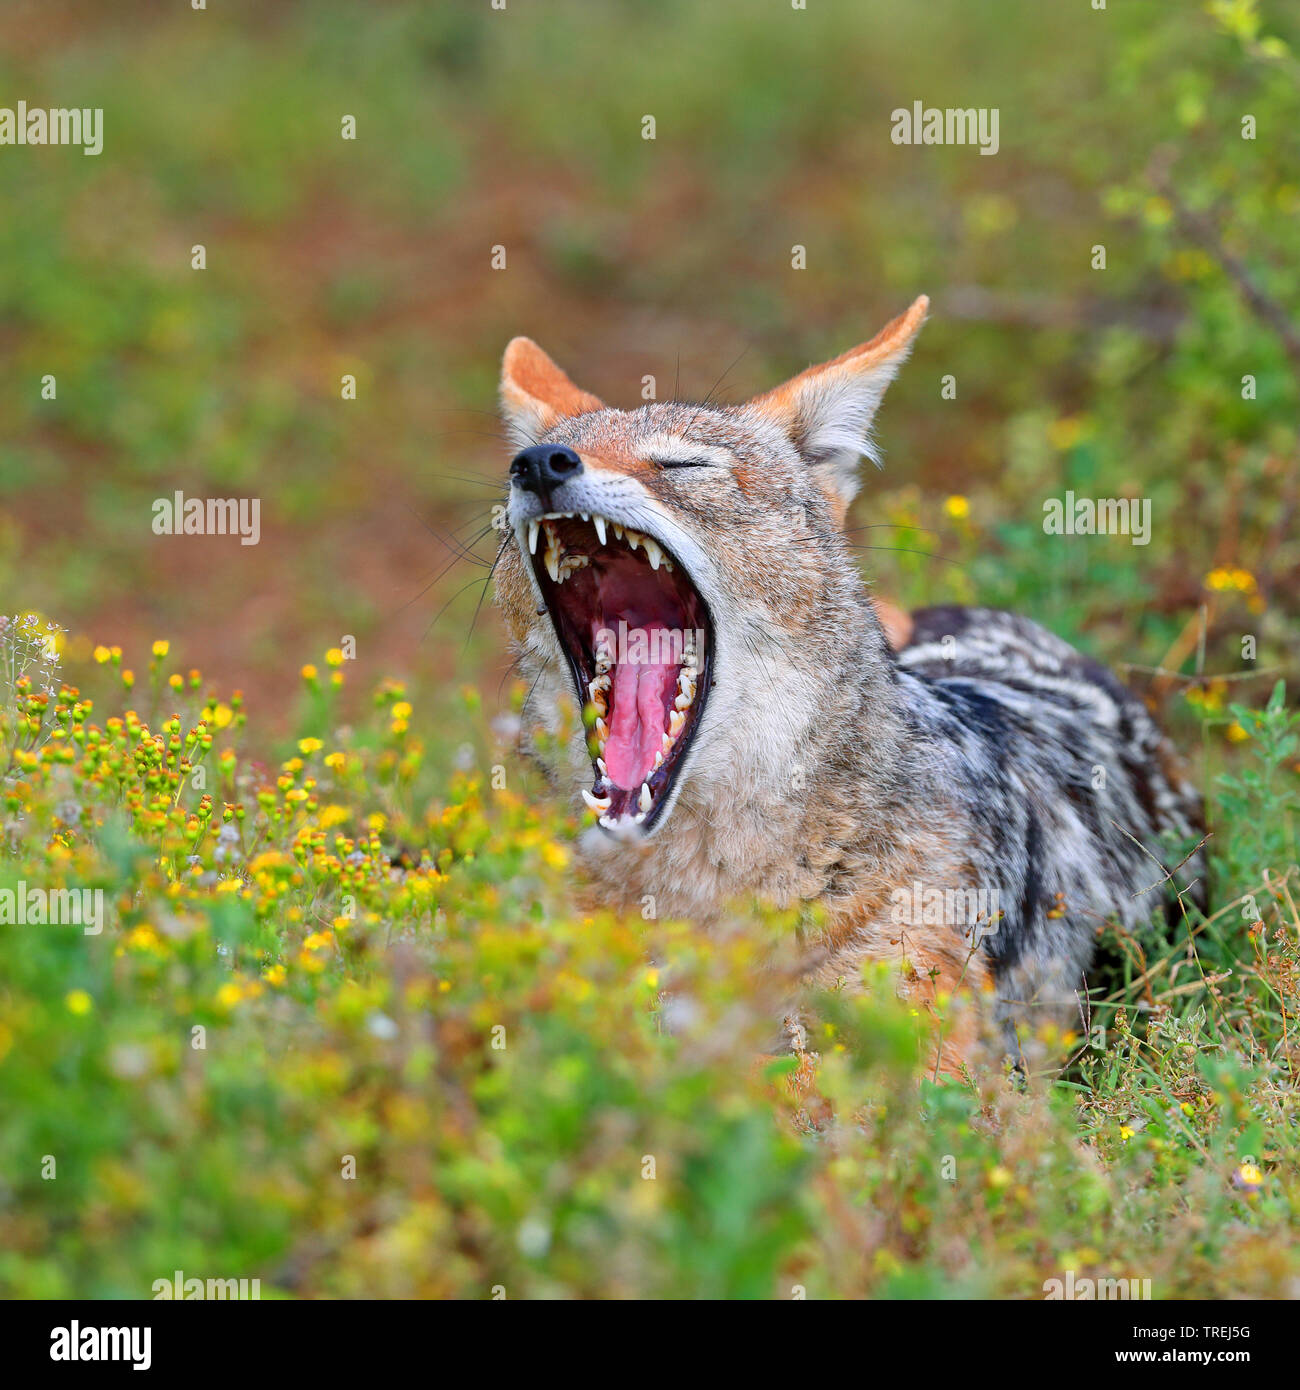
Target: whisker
x=447 y=568
x=487 y=579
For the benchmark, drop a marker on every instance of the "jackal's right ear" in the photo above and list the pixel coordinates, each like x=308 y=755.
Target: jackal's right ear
x=827 y=410
x=535 y=392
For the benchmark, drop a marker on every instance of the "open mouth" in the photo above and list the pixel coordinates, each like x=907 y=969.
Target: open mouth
x=639 y=643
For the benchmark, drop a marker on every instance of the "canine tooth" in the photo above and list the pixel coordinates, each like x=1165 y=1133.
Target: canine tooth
x=676 y=723
x=644 y=800
x=599 y=804
x=533 y=528
x=553 y=550
x=599 y=523
x=653 y=553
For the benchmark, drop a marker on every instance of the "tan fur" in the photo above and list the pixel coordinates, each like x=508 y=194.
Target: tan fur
x=538 y=392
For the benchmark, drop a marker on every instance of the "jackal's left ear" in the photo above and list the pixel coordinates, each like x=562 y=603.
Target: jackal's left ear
x=827 y=410
x=535 y=392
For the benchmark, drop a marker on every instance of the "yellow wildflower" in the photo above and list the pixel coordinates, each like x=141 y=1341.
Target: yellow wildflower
x=229 y=995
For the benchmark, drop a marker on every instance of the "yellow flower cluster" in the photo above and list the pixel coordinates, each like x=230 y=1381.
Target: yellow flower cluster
x=1229 y=579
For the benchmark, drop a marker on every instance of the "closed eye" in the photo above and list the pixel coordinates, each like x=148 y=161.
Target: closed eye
x=682 y=463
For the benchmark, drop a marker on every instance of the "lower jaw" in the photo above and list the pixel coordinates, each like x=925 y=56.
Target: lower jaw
x=626 y=812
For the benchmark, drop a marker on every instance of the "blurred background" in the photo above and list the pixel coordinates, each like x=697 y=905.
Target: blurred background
x=522 y=128
x=1169 y=376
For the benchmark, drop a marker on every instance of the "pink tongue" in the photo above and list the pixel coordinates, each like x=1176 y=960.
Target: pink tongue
x=637 y=724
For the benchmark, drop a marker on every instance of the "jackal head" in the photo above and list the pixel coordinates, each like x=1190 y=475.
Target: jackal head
x=682 y=570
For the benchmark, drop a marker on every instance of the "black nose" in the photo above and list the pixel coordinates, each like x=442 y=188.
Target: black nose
x=544 y=467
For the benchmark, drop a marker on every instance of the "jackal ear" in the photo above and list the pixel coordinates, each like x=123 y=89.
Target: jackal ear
x=535 y=392
x=827 y=410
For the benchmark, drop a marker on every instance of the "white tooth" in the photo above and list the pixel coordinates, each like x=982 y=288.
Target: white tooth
x=602 y=730
x=584 y=516
x=638 y=818
x=682 y=702
x=553 y=566
x=658 y=762
x=667 y=743
x=676 y=723
x=668 y=564
x=599 y=804
x=618 y=530
x=602 y=682
x=607 y=820
x=533 y=528
x=653 y=553
x=600 y=763
x=599 y=523
x=644 y=800
x=634 y=538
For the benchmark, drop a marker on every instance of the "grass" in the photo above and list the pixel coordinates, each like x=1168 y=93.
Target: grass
x=344 y=1032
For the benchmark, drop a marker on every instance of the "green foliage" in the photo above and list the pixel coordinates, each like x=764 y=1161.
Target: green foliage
x=343 y=1031
x=1260 y=802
